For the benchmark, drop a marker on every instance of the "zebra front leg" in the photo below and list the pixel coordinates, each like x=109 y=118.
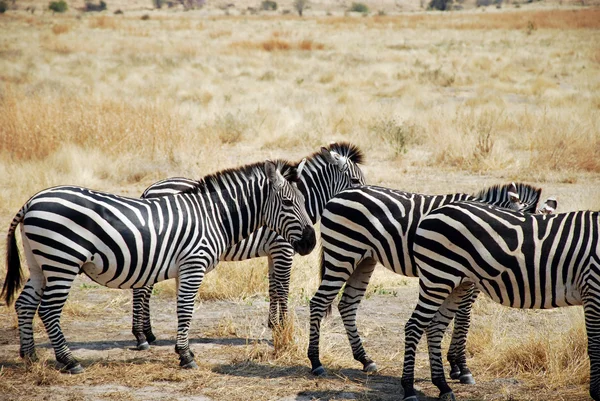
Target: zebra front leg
x=591 y=308
x=189 y=282
x=141 y=325
x=53 y=300
x=320 y=304
x=430 y=300
x=353 y=293
x=457 y=352
x=435 y=333
x=280 y=267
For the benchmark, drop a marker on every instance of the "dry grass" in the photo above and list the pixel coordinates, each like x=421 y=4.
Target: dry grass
x=438 y=102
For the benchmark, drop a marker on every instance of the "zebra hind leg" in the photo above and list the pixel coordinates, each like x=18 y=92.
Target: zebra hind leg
x=591 y=308
x=141 y=326
x=27 y=305
x=319 y=306
x=435 y=333
x=457 y=350
x=353 y=293
x=53 y=301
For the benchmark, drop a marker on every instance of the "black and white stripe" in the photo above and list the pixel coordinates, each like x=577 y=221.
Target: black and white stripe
x=325 y=173
x=519 y=260
x=129 y=243
x=363 y=226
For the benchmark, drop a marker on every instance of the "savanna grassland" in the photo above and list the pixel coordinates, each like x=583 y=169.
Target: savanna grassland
x=439 y=102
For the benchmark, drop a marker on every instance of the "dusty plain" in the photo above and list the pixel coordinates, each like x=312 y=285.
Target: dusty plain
x=439 y=102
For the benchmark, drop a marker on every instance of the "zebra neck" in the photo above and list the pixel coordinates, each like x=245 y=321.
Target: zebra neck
x=237 y=210
x=317 y=184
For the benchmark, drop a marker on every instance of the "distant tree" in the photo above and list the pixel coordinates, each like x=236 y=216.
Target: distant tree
x=192 y=4
x=58 y=6
x=268 y=5
x=359 y=8
x=442 y=5
x=91 y=6
x=158 y=3
x=3 y=7
x=300 y=5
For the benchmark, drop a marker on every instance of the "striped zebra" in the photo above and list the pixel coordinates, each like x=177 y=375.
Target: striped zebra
x=456 y=356
x=521 y=261
x=325 y=173
x=366 y=225
x=127 y=243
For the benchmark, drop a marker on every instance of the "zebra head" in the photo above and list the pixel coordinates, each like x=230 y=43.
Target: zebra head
x=284 y=211
x=345 y=158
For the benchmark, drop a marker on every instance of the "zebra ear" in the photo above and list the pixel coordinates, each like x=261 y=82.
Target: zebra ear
x=300 y=167
x=549 y=206
x=332 y=157
x=513 y=193
x=273 y=174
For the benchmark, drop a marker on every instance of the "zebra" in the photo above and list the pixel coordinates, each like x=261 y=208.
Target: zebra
x=371 y=224
x=456 y=351
x=326 y=173
x=521 y=261
x=124 y=242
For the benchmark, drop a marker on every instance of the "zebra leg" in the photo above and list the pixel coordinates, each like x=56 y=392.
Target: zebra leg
x=188 y=284
x=332 y=280
x=141 y=317
x=27 y=305
x=457 y=351
x=53 y=300
x=280 y=267
x=430 y=300
x=353 y=293
x=435 y=333
x=591 y=310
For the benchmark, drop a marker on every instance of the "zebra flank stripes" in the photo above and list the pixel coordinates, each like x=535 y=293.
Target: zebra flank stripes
x=130 y=243
x=326 y=172
x=521 y=261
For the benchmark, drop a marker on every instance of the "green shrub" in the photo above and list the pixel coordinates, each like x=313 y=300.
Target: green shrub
x=58 y=6
x=444 y=5
x=3 y=7
x=359 y=8
x=268 y=5
x=89 y=6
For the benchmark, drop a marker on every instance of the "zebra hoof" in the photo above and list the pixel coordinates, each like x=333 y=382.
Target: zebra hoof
x=447 y=397
x=143 y=346
x=318 y=371
x=455 y=372
x=150 y=338
x=74 y=370
x=190 y=365
x=411 y=398
x=467 y=378
x=370 y=368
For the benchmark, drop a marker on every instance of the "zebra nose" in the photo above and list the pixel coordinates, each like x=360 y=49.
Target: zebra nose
x=307 y=243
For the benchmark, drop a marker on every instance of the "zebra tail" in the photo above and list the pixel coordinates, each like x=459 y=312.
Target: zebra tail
x=321 y=274
x=14 y=275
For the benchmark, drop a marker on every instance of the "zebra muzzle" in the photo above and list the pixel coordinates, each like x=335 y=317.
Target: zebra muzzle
x=307 y=243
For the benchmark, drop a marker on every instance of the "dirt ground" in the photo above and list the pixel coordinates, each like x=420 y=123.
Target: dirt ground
x=234 y=349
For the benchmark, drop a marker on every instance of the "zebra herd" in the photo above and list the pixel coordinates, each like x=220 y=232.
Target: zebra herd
x=497 y=242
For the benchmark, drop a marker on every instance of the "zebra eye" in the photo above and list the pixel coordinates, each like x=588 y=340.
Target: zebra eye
x=288 y=203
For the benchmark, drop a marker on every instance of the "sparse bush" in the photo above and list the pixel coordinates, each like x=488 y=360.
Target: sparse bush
x=3 y=7
x=395 y=135
x=145 y=17
x=300 y=5
x=119 y=12
x=483 y=3
x=58 y=6
x=158 y=3
x=442 y=5
x=95 y=7
x=359 y=8
x=230 y=129
x=192 y=4
x=268 y=5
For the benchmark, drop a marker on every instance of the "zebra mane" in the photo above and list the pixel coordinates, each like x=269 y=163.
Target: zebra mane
x=528 y=194
x=345 y=149
x=287 y=169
